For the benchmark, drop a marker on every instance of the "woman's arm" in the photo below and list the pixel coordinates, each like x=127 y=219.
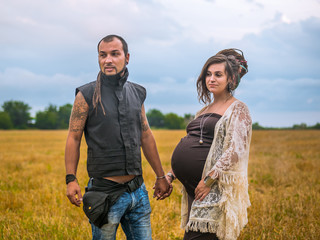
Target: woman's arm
x=236 y=144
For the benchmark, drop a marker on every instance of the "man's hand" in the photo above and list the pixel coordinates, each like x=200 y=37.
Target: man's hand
x=201 y=191
x=161 y=187
x=74 y=193
x=77 y=122
x=150 y=151
x=167 y=194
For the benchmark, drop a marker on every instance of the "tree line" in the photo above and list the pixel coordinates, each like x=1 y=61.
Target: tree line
x=16 y=115
x=302 y=126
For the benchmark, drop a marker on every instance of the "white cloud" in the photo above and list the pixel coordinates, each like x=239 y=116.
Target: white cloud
x=295 y=10
x=169 y=85
x=24 y=79
x=49 y=47
x=226 y=21
x=39 y=90
x=280 y=95
x=61 y=22
x=68 y=21
x=284 y=51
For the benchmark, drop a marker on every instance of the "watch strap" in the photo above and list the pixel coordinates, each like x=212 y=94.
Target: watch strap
x=70 y=178
x=208 y=181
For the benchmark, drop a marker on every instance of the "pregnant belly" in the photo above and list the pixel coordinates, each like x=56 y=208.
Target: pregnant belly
x=188 y=160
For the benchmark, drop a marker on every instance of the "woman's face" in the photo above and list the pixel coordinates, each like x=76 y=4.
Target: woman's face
x=216 y=78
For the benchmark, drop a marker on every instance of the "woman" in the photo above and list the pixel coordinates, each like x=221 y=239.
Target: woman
x=211 y=161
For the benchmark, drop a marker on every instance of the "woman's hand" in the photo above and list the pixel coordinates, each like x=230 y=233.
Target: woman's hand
x=168 y=193
x=201 y=191
x=170 y=177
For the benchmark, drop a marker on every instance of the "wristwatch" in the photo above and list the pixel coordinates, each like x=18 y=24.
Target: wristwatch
x=70 y=178
x=171 y=175
x=208 y=181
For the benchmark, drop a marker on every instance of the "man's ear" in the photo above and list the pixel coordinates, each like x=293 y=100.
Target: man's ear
x=127 y=58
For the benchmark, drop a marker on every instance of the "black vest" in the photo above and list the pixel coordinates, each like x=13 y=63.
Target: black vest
x=114 y=139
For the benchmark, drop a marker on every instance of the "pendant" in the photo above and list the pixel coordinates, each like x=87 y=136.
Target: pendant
x=200 y=141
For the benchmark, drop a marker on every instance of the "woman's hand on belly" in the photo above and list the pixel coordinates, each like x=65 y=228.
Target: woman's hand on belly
x=201 y=191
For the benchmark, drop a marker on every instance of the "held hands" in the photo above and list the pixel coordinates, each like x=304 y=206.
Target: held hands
x=74 y=193
x=201 y=191
x=162 y=188
x=167 y=194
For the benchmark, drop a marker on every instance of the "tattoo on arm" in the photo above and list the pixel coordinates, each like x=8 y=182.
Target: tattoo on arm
x=79 y=114
x=144 y=122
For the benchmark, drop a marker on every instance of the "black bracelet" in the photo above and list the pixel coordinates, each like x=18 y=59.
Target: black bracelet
x=70 y=178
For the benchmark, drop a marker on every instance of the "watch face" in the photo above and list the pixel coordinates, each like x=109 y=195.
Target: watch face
x=208 y=181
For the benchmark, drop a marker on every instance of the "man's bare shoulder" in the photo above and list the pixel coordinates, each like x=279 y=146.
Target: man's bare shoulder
x=79 y=113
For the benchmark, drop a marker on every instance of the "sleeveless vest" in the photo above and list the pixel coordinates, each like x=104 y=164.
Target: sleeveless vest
x=114 y=139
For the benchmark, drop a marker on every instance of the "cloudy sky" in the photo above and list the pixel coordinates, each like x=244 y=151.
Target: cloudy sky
x=48 y=48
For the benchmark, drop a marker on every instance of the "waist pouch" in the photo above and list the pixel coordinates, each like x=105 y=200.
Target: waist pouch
x=102 y=194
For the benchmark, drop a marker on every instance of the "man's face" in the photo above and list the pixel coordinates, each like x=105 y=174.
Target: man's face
x=111 y=57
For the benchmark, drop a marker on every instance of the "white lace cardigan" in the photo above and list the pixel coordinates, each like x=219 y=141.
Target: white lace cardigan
x=224 y=210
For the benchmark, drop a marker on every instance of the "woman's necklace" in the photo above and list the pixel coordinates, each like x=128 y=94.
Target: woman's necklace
x=202 y=123
x=201 y=127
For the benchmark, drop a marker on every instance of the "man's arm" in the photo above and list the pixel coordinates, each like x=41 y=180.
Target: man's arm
x=77 y=122
x=150 y=151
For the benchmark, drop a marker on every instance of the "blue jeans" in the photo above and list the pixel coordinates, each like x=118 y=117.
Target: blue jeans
x=132 y=210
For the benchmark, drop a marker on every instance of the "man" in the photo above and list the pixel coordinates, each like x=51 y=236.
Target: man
x=111 y=113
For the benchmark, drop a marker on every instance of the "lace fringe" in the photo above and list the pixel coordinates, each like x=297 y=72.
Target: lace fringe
x=234 y=217
x=195 y=225
x=222 y=231
x=184 y=208
x=230 y=178
x=211 y=227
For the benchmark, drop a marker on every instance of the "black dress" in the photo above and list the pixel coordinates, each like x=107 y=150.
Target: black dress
x=188 y=160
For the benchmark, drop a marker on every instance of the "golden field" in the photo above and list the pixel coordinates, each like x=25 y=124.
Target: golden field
x=284 y=187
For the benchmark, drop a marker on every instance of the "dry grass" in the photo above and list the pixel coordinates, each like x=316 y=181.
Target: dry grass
x=283 y=176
